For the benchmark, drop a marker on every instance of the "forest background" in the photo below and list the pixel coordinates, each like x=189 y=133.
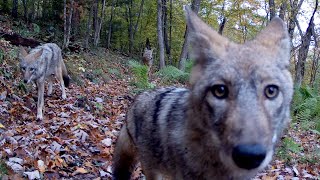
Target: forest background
x=103 y=42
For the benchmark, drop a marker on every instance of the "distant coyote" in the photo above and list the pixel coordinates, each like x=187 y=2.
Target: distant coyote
x=226 y=125
x=147 y=57
x=42 y=63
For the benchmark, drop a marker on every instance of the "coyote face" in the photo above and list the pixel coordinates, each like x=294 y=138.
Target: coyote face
x=43 y=62
x=225 y=126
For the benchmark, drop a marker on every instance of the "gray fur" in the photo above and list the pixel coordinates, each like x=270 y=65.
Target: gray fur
x=191 y=133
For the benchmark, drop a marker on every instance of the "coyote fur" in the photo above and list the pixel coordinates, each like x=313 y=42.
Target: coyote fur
x=226 y=125
x=147 y=59
x=41 y=63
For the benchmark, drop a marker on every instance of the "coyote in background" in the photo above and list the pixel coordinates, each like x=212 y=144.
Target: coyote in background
x=227 y=124
x=147 y=57
x=43 y=62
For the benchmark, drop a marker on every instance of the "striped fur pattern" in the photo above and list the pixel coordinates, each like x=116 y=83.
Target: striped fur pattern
x=226 y=125
x=40 y=64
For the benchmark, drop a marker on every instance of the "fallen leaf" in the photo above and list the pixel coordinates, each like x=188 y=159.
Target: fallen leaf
x=33 y=175
x=80 y=171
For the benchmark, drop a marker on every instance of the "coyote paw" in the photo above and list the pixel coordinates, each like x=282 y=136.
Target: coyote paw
x=39 y=117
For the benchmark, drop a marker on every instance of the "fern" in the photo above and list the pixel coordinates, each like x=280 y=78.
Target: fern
x=306 y=108
x=140 y=73
x=171 y=74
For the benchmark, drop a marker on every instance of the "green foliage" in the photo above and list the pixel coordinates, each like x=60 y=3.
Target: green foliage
x=3 y=169
x=288 y=146
x=306 y=108
x=140 y=73
x=189 y=65
x=171 y=74
x=115 y=72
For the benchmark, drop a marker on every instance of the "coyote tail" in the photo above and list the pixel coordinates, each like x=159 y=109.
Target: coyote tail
x=65 y=76
x=125 y=156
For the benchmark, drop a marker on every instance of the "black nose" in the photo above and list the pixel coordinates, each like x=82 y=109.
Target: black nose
x=25 y=81
x=248 y=156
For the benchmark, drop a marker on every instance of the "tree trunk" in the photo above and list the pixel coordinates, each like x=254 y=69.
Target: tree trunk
x=100 y=21
x=184 y=52
x=14 y=11
x=32 y=13
x=303 y=51
x=314 y=67
x=69 y=23
x=170 y=34
x=110 y=25
x=272 y=9
x=64 y=23
x=295 y=6
x=25 y=9
x=160 y=34
x=96 y=20
x=130 y=25
x=165 y=30
x=87 y=37
x=283 y=9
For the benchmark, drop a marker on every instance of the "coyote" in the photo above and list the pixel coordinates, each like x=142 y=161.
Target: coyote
x=226 y=125
x=147 y=57
x=43 y=62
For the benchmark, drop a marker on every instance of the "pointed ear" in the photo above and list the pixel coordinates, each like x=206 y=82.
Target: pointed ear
x=38 y=54
x=206 y=44
x=23 y=53
x=275 y=36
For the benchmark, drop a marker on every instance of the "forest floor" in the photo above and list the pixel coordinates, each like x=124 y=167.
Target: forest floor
x=77 y=136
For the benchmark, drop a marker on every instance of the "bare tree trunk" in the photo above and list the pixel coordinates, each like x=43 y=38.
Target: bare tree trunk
x=64 y=23
x=170 y=33
x=272 y=9
x=160 y=35
x=110 y=25
x=303 y=51
x=295 y=6
x=165 y=29
x=99 y=21
x=315 y=59
x=32 y=13
x=67 y=23
x=130 y=23
x=25 y=9
x=283 y=9
x=87 y=37
x=14 y=11
x=224 y=19
x=184 y=52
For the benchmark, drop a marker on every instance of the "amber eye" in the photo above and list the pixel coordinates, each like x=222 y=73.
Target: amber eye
x=271 y=91
x=220 y=91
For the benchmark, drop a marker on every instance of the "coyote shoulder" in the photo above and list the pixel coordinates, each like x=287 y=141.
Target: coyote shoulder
x=41 y=63
x=226 y=125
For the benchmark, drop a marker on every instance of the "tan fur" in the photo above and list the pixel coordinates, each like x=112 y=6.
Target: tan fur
x=226 y=124
x=40 y=64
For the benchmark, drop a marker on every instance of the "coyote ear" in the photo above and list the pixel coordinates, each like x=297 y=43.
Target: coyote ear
x=206 y=43
x=23 y=53
x=275 y=36
x=38 y=54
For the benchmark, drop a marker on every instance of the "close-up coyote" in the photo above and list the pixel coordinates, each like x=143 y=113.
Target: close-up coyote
x=227 y=124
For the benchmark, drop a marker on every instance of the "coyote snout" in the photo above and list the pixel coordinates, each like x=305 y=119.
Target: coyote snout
x=226 y=124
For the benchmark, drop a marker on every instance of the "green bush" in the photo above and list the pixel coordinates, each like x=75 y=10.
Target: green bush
x=3 y=169
x=140 y=73
x=171 y=74
x=306 y=108
x=288 y=146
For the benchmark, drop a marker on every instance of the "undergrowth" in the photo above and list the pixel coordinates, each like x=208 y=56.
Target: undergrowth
x=171 y=74
x=140 y=73
x=306 y=108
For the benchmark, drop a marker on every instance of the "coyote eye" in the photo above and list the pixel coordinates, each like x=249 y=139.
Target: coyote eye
x=271 y=91
x=23 y=68
x=32 y=69
x=220 y=91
